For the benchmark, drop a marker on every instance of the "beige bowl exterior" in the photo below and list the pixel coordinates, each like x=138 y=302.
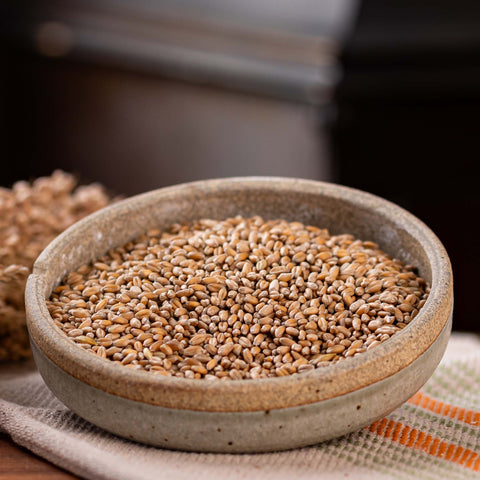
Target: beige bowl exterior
x=384 y=377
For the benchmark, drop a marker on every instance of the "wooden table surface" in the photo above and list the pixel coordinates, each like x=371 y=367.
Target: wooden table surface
x=17 y=463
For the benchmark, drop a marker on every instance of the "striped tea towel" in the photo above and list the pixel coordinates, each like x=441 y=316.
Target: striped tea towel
x=435 y=435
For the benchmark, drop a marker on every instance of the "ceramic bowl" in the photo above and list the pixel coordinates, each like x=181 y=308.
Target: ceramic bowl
x=244 y=415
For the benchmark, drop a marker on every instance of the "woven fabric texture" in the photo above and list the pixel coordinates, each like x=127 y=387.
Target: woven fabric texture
x=435 y=435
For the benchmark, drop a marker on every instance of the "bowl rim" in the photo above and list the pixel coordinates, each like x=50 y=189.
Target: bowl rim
x=247 y=394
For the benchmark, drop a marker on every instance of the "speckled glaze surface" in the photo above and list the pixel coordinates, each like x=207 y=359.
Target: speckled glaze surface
x=384 y=377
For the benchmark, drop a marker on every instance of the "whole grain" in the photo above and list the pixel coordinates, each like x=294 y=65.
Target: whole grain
x=237 y=299
x=31 y=215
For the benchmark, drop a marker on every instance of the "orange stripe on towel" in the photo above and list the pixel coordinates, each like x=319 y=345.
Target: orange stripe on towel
x=469 y=417
x=418 y=440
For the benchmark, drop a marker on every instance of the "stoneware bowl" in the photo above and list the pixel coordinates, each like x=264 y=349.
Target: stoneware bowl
x=243 y=415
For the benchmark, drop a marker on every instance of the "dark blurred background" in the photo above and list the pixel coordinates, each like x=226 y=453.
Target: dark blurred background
x=381 y=96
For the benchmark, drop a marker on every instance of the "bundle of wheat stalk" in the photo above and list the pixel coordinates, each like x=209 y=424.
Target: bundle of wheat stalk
x=31 y=215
